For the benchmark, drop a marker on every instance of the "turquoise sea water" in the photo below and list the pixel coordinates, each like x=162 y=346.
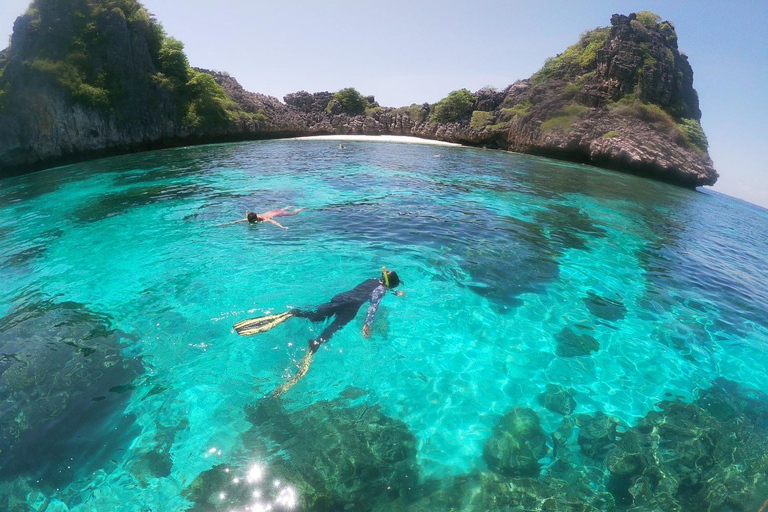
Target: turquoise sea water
x=123 y=381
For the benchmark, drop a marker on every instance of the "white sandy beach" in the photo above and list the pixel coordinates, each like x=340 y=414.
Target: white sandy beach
x=378 y=138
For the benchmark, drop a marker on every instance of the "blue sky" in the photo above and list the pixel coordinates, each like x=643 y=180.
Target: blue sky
x=405 y=52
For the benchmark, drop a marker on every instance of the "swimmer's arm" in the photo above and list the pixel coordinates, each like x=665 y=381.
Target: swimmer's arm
x=233 y=222
x=275 y=223
x=376 y=297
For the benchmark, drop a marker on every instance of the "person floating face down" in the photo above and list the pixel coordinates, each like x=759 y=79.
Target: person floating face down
x=342 y=308
x=252 y=217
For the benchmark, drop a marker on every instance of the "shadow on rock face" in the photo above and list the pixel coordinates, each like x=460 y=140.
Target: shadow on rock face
x=63 y=387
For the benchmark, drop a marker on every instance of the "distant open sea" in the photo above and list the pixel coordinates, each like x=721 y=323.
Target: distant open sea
x=528 y=283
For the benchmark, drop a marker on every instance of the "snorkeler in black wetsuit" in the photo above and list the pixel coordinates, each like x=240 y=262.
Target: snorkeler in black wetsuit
x=343 y=308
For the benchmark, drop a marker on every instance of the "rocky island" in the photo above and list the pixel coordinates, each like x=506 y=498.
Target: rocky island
x=85 y=79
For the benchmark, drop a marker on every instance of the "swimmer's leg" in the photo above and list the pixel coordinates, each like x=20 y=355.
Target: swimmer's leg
x=343 y=317
x=303 y=369
x=285 y=212
x=323 y=312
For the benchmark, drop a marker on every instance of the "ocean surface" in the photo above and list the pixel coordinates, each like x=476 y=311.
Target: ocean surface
x=551 y=291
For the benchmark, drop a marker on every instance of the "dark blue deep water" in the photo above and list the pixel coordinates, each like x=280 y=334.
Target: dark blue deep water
x=569 y=338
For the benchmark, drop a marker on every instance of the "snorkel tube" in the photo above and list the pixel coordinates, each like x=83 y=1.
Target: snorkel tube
x=386 y=277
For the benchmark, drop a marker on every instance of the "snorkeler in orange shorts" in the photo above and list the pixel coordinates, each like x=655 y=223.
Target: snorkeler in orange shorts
x=253 y=217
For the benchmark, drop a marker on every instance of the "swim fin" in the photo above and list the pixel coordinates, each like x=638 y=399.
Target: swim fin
x=261 y=324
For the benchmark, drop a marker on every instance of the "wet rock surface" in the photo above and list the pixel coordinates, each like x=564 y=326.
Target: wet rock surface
x=64 y=382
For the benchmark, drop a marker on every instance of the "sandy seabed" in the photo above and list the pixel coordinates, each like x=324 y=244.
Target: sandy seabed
x=378 y=138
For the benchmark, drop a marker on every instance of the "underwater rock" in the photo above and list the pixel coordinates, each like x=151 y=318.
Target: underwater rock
x=216 y=489
x=570 y=344
x=155 y=461
x=119 y=203
x=491 y=492
x=60 y=372
x=463 y=492
x=557 y=399
x=611 y=309
x=709 y=455
x=337 y=455
x=502 y=272
x=597 y=434
x=517 y=444
x=726 y=401
x=490 y=266
x=569 y=227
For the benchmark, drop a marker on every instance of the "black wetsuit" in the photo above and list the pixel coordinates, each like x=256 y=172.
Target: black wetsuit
x=344 y=307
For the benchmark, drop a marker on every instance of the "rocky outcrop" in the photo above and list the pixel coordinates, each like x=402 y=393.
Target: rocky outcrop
x=621 y=98
x=42 y=124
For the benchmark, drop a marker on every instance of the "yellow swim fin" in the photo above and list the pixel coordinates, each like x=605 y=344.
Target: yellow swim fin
x=261 y=324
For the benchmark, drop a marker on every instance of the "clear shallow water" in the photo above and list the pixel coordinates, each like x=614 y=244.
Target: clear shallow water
x=505 y=259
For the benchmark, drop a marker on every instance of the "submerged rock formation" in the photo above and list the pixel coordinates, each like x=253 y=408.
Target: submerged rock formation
x=709 y=455
x=80 y=80
x=64 y=384
x=330 y=456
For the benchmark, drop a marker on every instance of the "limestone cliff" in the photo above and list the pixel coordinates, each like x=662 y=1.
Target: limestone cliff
x=50 y=109
x=621 y=98
x=84 y=78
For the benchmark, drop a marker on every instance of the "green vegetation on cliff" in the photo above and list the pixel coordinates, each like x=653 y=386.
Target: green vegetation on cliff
x=564 y=119
x=694 y=133
x=80 y=45
x=642 y=76
x=351 y=101
x=576 y=60
x=109 y=65
x=480 y=119
x=687 y=131
x=456 y=106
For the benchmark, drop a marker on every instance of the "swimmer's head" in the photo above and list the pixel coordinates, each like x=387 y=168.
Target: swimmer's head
x=252 y=217
x=390 y=278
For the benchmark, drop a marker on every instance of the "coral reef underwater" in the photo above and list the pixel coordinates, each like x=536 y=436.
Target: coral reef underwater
x=710 y=455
